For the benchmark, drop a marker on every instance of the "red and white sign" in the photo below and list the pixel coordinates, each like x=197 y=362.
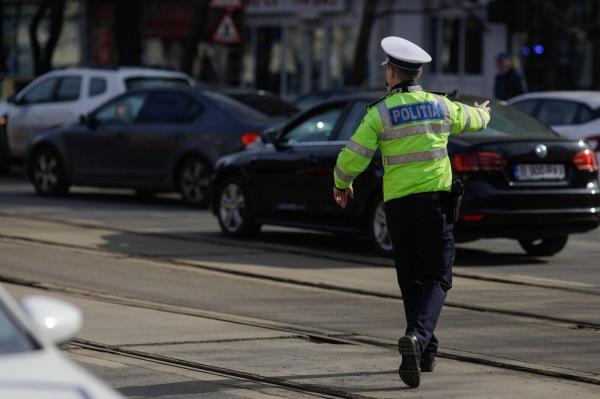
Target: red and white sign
x=227 y=32
x=229 y=4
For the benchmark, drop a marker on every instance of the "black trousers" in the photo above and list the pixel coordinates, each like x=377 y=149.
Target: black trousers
x=422 y=232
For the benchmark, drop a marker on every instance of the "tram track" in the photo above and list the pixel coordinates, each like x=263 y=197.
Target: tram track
x=286 y=249
x=319 y=391
x=563 y=321
x=312 y=334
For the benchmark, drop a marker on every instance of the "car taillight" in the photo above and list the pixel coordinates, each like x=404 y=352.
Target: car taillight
x=586 y=160
x=249 y=138
x=478 y=161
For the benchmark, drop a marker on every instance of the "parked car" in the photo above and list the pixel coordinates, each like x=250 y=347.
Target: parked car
x=269 y=104
x=30 y=364
x=61 y=96
x=573 y=114
x=522 y=180
x=150 y=140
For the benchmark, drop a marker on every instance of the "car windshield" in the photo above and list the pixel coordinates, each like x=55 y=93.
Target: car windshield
x=13 y=338
x=150 y=82
x=509 y=121
x=237 y=110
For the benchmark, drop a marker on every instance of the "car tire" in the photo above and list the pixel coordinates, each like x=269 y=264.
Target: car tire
x=234 y=211
x=48 y=173
x=546 y=246
x=378 y=231
x=193 y=181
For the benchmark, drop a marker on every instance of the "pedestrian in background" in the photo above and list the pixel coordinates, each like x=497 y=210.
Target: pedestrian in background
x=411 y=127
x=509 y=82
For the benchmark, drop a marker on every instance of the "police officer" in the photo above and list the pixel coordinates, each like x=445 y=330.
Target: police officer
x=411 y=127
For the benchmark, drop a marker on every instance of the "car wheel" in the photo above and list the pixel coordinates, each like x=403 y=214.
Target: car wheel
x=378 y=231
x=4 y=164
x=194 y=181
x=547 y=246
x=49 y=177
x=235 y=217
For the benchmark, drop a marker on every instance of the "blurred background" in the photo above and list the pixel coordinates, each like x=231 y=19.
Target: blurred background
x=291 y=47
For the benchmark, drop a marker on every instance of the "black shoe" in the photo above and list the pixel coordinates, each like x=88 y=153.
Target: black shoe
x=427 y=364
x=410 y=369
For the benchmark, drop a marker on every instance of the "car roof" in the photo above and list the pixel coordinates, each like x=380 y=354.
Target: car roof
x=589 y=97
x=124 y=72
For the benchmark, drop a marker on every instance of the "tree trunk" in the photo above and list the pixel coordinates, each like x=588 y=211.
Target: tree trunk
x=42 y=58
x=35 y=44
x=128 y=36
x=362 y=44
x=190 y=49
x=57 y=12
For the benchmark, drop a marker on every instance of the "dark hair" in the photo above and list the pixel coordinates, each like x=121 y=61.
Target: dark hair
x=406 y=74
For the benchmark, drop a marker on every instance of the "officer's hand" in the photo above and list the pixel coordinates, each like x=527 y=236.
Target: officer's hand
x=341 y=196
x=484 y=106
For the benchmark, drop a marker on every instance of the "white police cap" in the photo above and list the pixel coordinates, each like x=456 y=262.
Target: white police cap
x=404 y=54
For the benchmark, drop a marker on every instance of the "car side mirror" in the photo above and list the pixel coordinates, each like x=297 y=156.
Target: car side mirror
x=58 y=320
x=12 y=99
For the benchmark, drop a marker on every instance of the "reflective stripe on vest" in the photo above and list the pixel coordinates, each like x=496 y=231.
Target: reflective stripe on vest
x=390 y=133
x=360 y=149
x=429 y=128
x=481 y=118
x=465 y=111
x=341 y=175
x=416 y=157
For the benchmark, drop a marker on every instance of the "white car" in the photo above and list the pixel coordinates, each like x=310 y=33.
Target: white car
x=573 y=114
x=30 y=364
x=61 y=96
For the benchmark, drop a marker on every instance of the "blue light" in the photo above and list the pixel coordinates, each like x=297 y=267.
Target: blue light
x=526 y=51
x=538 y=49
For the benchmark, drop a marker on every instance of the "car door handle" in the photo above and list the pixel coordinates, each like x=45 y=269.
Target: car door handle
x=120 y=135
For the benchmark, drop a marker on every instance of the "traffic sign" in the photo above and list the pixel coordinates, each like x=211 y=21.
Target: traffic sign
x=227 y=32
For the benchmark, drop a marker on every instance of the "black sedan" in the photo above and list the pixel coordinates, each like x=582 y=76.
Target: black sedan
x=522 y=180
x=152 y=140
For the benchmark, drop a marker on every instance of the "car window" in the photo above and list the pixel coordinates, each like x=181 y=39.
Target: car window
x=123 y=110
x=557 y=112
x=68 y=88
x=97 y=87
x=509 y=121
x=353 y=120
x=13 y=338
x=527 y=106
x=40 y=93
x=235 y=109
x=316 y=128
x=169 y=108
x=151 y=82
x=268 y=105
x=585 y=114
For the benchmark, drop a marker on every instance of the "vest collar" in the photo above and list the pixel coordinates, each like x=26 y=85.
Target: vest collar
x=405 y=87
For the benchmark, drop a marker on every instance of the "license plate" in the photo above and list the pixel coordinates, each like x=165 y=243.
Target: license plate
x=540 y=172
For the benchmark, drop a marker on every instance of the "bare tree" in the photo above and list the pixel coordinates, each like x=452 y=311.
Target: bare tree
x=190 y=49
x=42 y=54
x=362 y=44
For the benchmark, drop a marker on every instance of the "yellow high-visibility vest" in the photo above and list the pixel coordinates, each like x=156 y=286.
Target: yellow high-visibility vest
x=411 y=129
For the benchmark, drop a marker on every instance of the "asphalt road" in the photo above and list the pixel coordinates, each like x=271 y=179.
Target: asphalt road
x=133 y=264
